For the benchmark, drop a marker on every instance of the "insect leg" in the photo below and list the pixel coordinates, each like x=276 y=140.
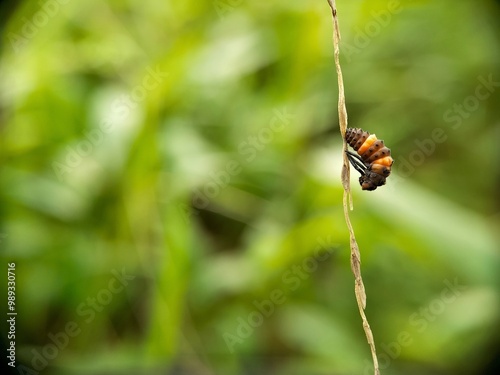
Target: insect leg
x=353 y=159
x=356 y=156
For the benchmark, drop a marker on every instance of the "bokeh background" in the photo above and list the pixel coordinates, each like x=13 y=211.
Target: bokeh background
x=170 y=186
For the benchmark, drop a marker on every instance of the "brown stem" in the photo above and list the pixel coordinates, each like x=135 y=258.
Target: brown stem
x=359 y=287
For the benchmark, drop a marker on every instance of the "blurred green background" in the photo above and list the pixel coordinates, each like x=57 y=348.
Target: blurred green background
x=170 y=186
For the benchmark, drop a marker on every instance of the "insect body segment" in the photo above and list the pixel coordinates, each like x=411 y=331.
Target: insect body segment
x=373 y=159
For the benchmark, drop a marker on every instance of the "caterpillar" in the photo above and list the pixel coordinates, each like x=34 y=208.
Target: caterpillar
x=373 y=159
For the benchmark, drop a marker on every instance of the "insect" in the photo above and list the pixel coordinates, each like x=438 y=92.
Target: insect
x=373 y=159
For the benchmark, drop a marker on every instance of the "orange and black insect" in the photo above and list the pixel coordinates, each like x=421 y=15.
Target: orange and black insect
x=373 y=160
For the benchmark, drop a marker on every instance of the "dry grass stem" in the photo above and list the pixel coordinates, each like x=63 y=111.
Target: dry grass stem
x=359 y=287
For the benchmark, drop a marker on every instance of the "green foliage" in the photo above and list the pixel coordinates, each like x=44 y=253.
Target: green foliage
x=193 y=146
